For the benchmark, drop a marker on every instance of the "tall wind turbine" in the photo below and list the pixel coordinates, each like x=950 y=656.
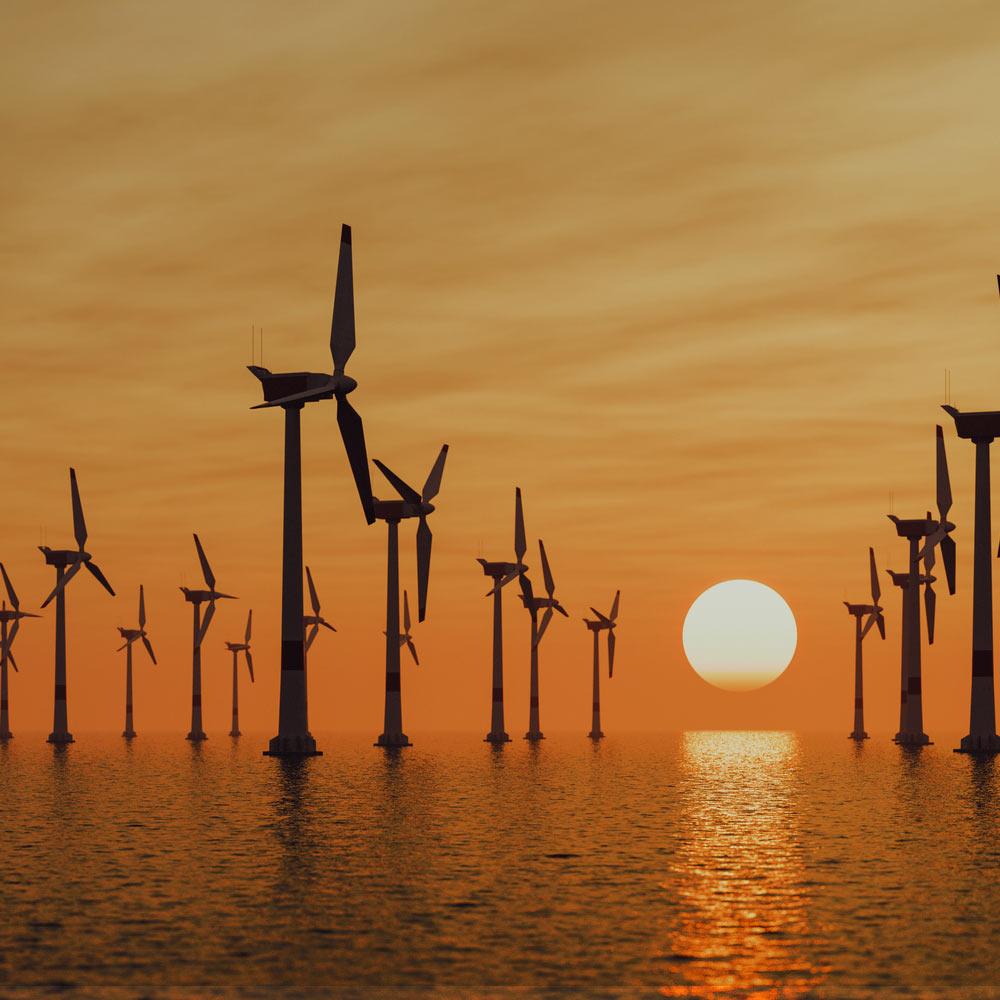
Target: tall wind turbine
x=534 y=605
x=236 y=648
x=501 y=573
x=411 y=504
x=291 y=391
x=981 y=428
x=10 y=620
x=67 y=563
x=315 y=621
x=130 y=635
x=872 y=613
x=197 y=598
x=924 y=535
x=603 y=623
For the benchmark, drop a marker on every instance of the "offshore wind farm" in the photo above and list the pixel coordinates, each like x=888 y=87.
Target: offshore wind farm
x=623 y=325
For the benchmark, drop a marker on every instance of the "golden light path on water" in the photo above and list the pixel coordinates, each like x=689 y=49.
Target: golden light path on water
x=739 y=871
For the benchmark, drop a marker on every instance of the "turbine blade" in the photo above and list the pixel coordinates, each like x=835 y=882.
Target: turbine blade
x=142 y=608
x=317 y=392
x=10 y=588
x=352 y=431
x=880 y=622
x=546 y=618
x=424 y=542
x=310 y=638
x=342 y=336
x=930 y=602
x=562 y=610
x=79 y=524
x=120 y=648
x=149 y=649
x=413 y=651
x=527 y=591
x=246 y=635
x=95 y=572
x=206 y=621
x=433 y=482
x=614 y=606
x=13 y=632
x=876 y=586
x=326 y=624
x=611 y=653
x=406 y=612
x=61 y=585
x=407 y=492
x=13 y=662
x=249 y=657
x=948 y=549
x=943 y=479
x=313 y=598
x=601 y=617
x=520 y=542
x=550 y=586
x=206 y=570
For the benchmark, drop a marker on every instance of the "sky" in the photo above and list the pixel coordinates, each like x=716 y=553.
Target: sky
x=689 y=275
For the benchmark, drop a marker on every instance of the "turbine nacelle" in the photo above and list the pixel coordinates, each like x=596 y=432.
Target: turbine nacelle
x=200 y=596
x=299 y=388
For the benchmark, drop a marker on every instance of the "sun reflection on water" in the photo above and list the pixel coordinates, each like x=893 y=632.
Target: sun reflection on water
x=741 y=922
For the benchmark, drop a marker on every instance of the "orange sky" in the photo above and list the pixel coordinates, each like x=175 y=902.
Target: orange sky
x=688 y=276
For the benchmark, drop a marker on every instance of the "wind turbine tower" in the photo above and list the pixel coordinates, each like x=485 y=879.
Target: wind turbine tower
x=412 y=504
x=534 y=605
x=602 y=623
x=291 y=391
x=236 y=648
x=923 y=535
x=130 y=635
x=865 y=616
x=10 y=619
x=67 y=563
x=501 y=573
x=197 y=598
x=981 y=428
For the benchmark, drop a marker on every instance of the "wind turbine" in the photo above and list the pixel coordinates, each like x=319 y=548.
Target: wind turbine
x=924 y=535
x=291 y=391
x=67 y=563
x=236 y=648
x=534 y=605
x=603 y=623
x=404 y=638
x=873 y=615
x=10 y=620
x=501 y=573
x=418 y=505
x=197 y=598
x=314 y=621
x=981 y=428
x=130 y=635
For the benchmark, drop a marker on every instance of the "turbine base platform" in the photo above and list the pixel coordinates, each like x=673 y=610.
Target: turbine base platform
x=129 y=734
x=534 y=737
x=60 y=739
x=496 y=739
x=394 y=741
x=235 y=732
x=596 y=735
x=858 y=736
x=913 y=740
x=989 y=743
x=6 y=736
x=292 y=746
x=196 y=737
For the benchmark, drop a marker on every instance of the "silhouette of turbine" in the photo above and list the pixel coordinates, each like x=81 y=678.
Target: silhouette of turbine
x=10 y=623
x=600 y=624
x=873 y=613
x=981 y=428
x=924 y=536
x=404 y=638
x=501 y=573
x=67 y=563
x=418 y=505
x=534 y=605
x=291 y=391
x=314 y=621
x=130 y=635
x=197 y=598
x=236 y=648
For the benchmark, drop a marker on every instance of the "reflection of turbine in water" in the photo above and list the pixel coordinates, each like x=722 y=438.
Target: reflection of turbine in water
x=738 y=874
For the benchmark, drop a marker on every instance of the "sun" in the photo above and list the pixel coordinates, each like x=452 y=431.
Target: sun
x=739 y=635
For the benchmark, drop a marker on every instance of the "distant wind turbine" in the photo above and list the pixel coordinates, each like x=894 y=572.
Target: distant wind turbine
x=236 y=648
x=872 y=616
x=315 y=621
x=10 y=623
x=67 y=563
x=130 y=635
x=602 y=623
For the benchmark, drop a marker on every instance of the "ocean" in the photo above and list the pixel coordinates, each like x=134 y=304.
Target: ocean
x=699 y=864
